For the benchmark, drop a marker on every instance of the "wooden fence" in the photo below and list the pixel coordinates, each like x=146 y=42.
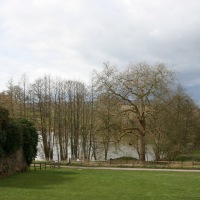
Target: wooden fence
x=44 y=165
x=118 y=163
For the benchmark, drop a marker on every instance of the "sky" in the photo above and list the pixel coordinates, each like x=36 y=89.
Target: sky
x=70 y=39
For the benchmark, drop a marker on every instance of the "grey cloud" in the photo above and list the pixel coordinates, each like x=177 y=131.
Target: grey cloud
x=71 y=37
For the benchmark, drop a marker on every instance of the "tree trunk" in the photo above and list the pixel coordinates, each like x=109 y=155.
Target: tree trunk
x=141 y=146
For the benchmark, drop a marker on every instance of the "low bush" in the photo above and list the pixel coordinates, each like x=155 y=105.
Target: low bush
x=125 y=158
x=188 y=158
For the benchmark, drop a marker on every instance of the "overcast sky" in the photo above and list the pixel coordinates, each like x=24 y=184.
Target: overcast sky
x=70 y=38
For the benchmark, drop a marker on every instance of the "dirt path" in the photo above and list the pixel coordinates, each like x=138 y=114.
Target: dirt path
x=132 y=169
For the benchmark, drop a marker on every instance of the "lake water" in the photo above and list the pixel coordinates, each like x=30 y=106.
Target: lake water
x=121 y=150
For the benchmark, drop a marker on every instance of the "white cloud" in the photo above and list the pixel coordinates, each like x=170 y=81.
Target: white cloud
x=194 y=82
x=70 y=38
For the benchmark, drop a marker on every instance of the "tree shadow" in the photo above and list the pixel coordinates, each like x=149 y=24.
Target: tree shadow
x=45 y=179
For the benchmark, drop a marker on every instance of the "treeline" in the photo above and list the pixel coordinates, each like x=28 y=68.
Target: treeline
x=16 y=134
x=61 y=111
x=140 y=105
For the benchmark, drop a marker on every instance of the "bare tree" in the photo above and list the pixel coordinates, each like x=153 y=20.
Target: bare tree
x=107 y=121
x=42 y=100
x=137 y=86
x=177 y=126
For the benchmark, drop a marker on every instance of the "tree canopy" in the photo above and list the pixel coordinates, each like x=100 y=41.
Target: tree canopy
x=141 y=104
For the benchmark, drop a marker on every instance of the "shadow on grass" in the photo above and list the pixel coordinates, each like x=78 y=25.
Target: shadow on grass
x=38 y=179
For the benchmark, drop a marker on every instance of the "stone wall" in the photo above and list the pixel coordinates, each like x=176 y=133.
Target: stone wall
x=13 y=163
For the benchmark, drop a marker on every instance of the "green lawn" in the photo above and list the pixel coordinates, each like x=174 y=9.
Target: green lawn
x=90 y=184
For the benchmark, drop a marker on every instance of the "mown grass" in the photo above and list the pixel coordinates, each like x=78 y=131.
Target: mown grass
x=91 y=184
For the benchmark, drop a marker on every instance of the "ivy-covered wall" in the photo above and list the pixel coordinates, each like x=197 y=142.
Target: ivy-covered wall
x=15 y=162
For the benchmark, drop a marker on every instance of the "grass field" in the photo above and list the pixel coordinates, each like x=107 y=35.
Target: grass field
x=90 y=184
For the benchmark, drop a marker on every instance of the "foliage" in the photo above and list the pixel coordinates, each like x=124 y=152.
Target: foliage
x=196 y=152
x=125 y=158
x=188 y=157
x=30 y=140
x=2 y=141
x=16 y=134
x=4 y=118
x=13 y=140
x=3 y=126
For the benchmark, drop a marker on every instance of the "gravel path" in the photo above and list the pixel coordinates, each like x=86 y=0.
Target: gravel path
x=132 y=169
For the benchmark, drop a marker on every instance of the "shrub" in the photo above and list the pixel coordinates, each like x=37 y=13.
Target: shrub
x=4 y=118
x=3 y=126
x=16 y=134
x=13 y=140
x=30 y=140
x=188 y=158
x=2 y=141
x=125 y=158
